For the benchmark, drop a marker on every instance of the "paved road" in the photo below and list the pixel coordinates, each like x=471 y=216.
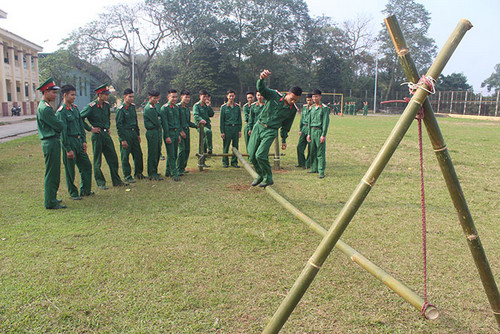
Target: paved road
x=16 y=130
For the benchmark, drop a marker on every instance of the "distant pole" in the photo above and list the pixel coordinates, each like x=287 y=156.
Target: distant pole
x=451 y=103
x=480 y=101
x=465 y=103
x=133 y=31
x=375 y=88
x=496 y=108
x=439 y=101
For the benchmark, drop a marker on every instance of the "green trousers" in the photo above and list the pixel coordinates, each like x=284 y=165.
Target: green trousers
x=231 y=138
x=301 y=148
x=51 y=149
x=259 y=144
x=154 y=150
x=318 y=162
x=103 y=144
x=184 y=150
x=246 y=136
x=134 y=148
x=82 y=161
x=207 y=139
x=172 y=149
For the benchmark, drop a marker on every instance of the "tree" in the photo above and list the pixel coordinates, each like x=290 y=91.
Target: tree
x=493 y=82
x=114 y=32
x=414 y=21
x=453 y=82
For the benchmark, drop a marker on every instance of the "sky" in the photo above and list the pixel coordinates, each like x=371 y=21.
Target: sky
x=476 y=56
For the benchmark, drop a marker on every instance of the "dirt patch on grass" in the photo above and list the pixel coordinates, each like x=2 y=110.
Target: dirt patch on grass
x=239 y=187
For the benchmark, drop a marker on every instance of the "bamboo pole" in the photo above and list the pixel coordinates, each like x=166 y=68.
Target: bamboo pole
x=394 y=284
x=451 y=179
x=201 y=148
x=368 y=181
x=277 y=154
x=451 y=103
x=496 y=107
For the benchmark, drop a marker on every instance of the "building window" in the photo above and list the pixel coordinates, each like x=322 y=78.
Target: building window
x=9 y=97
x=5 y=54
x=26 y=90
x=18 y=89
x=24 y=62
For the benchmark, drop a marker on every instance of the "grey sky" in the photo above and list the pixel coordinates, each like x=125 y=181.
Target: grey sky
x=476 y=56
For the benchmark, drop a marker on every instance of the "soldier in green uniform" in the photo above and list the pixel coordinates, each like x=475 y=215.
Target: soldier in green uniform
x=255 y=111
x=247 y=109
x=336 y=108
x=202 y=111
x=49 y=131
x=74 y=145
x=354 y=111
x=279 y=112
x=129 y=136
x=185 y=145
x=319 y=120
x=171 y=121
x=230 y=127
x=303 y=132
x=98 y=114
x=152 y=123
x=365 y=108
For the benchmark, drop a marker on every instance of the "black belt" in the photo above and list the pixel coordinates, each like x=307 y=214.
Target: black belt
x=51 y=137
x=75 y=136
x=316 y=127
x=172 y=129
x=267 y=126
x=155 y=128
x=105 y=130
x=306 y=124
x=132 y=129
x=232 y=125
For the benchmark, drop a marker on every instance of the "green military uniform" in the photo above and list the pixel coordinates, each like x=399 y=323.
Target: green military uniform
x=171 y=123
x=336 y=109
x=247 y=110
x=185 y=145
x=276 y=114
x=230 y=126
x=153 y=124
x=49 y=130
x=202 y=111
x=319 y=120
x=128 y=130
x=255 y=112
x=302 y=144
x=365 y=109
x=354 y=111
x=73 y=138
x=99 y=117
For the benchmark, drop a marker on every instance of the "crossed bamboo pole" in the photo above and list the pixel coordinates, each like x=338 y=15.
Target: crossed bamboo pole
x=448 y=170
x=394 y=284
x=367 y=182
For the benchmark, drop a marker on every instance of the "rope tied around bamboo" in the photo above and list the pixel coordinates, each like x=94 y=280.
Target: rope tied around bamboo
x=426 y=83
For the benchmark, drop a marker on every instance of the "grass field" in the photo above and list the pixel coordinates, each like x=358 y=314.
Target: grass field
x=211 y=254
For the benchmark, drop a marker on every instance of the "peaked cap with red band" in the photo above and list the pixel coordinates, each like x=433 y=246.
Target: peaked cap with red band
x=102 y=89
x=49 y=84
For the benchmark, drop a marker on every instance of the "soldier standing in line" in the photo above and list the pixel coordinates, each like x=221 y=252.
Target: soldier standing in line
x=49 y=130
x=129 y=136
x=185 y=145
x=98 y=114
x=230 y=127
x=319 y=120
x=303 y=132
x=202 y=111
x=152 y=123
x=172 y=132
x=365 y=108
x=74 y=145
x=279 y=112
x=247 y=109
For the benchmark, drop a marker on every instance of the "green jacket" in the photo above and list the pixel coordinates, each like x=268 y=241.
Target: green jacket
x=46 y=121
x=230 y=116
x=319 y=117
x=97 y=114
x=255 y=113
x=152 y=118
x=185 y=116
x=276 y=114
x=126 y=120
x=171 y=118
x=247 y=110
x=202 y=112
x=72 y=125
x=304 y=117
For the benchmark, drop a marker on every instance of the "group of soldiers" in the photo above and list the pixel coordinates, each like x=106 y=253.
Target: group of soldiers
x=265 y=113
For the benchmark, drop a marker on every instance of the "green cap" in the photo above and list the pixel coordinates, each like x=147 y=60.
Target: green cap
x=102 y=89
x=50 y=84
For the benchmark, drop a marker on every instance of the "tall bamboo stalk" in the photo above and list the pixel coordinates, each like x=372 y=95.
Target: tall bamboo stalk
x=394 y=284
x=277 y=154
x=448 y=170
x=201 y=149
x=351 y=207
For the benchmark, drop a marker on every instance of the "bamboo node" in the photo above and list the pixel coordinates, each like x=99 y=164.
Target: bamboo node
x=314 y=265
x=368 y=183
x=496 y=313
x=403 y=52
x=472 y=237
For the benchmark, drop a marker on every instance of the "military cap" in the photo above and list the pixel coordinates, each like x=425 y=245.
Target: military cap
x=49 y=84
x=102 y=89
x=316 y=92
